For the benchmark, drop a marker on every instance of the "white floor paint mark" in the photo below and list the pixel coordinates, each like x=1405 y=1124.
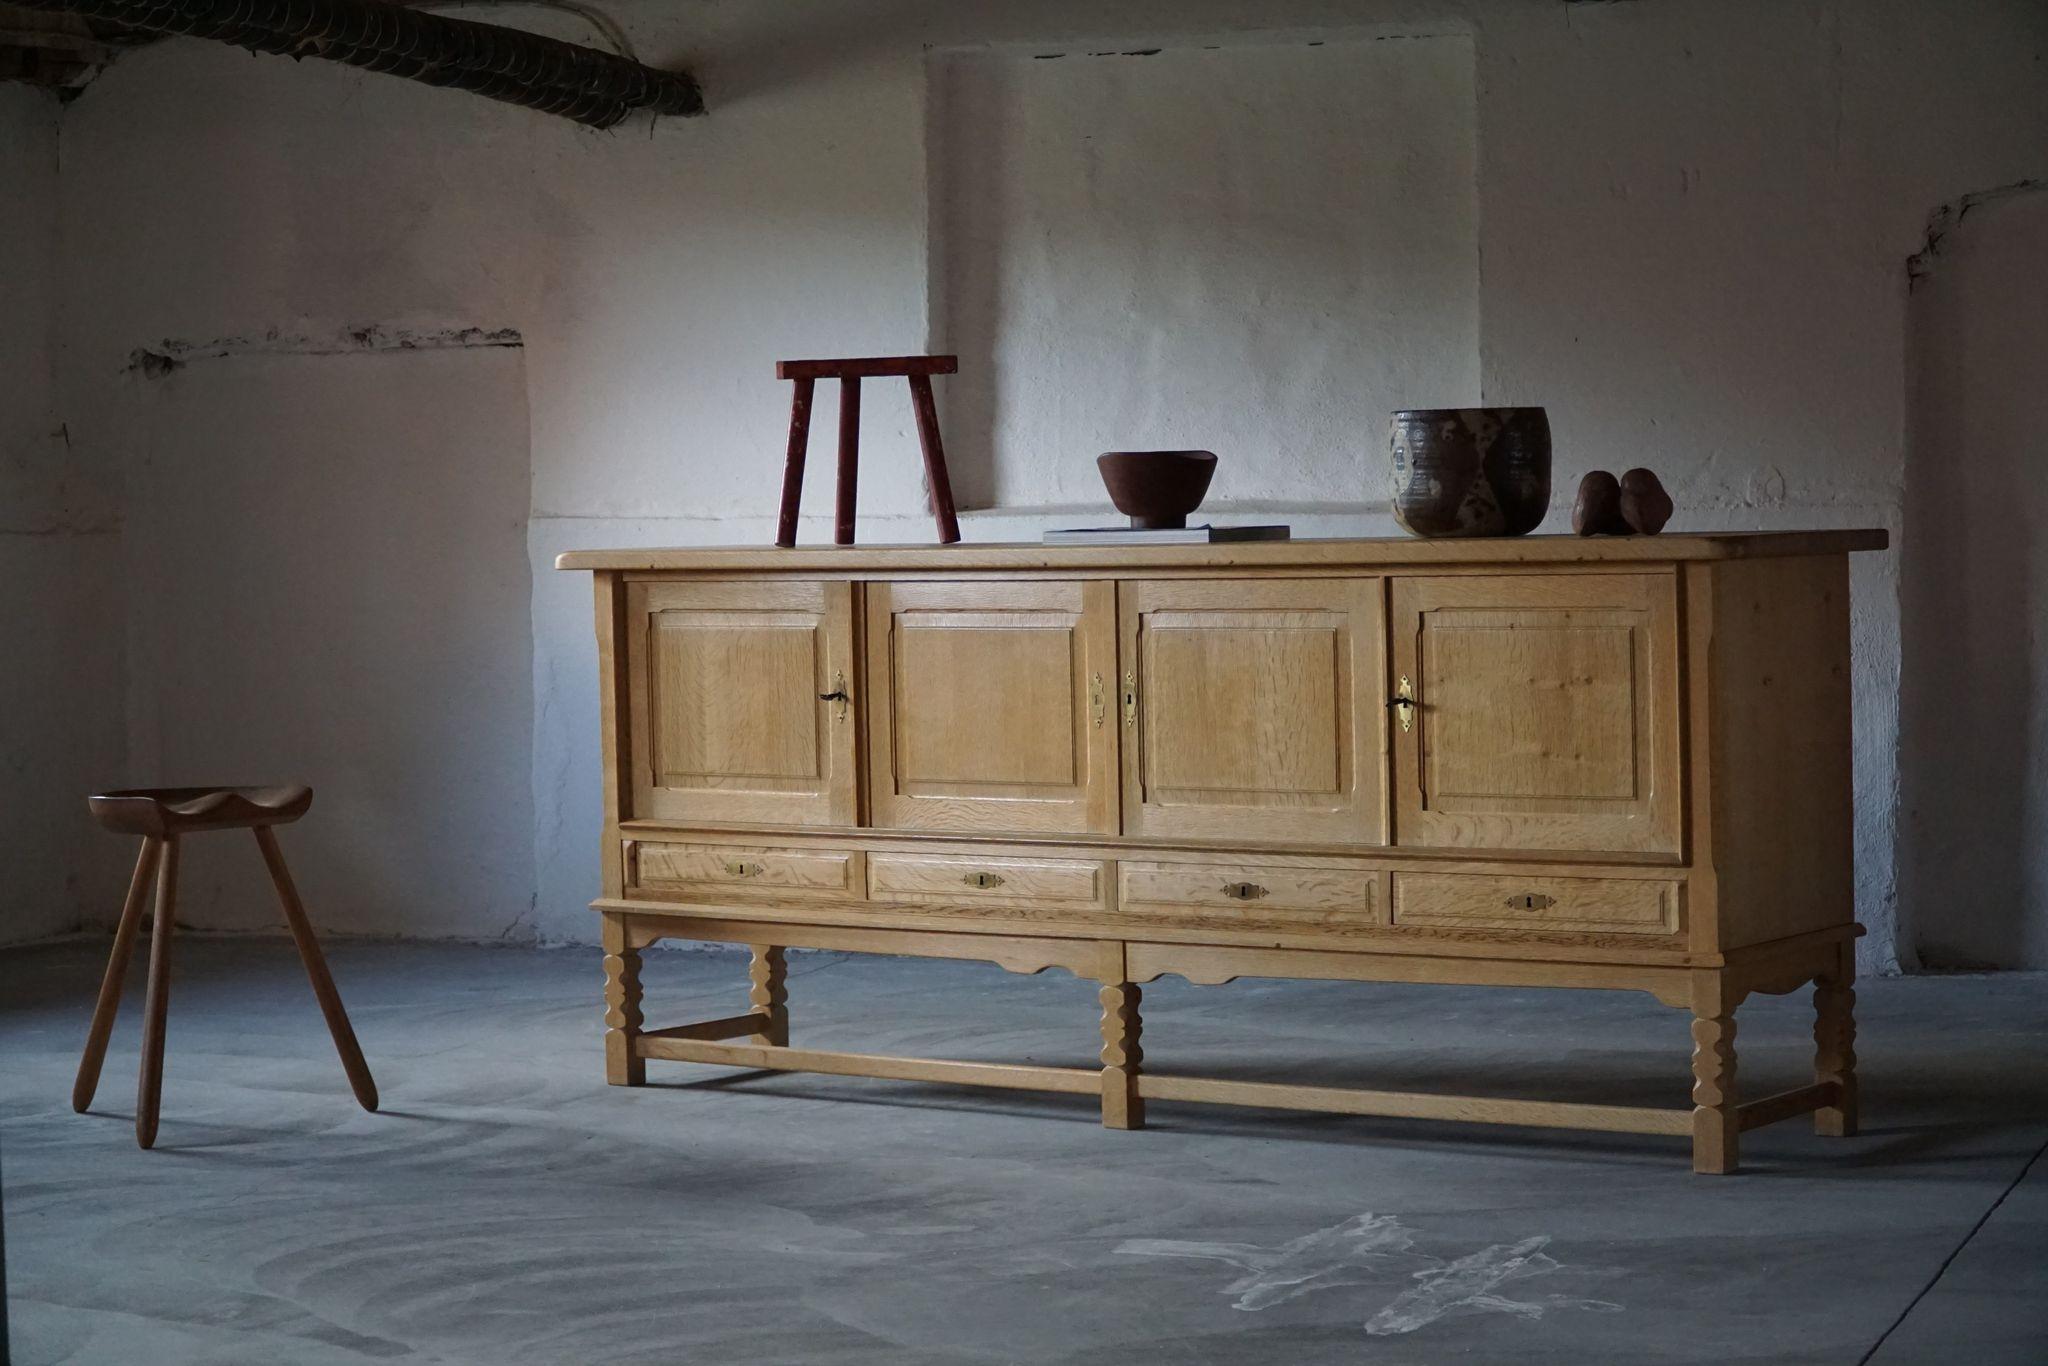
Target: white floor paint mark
x=1466 y=1286
x=1354 y=1252
x=1370 y=1247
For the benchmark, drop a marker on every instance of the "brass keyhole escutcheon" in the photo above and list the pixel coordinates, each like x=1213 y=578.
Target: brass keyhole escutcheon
x=983 y=880
x=1243 y=891
x=1096 y=704
x=1530 y=901
x=1403 y=704
x=838 y=694
x=1130 y=697
x=740 y=868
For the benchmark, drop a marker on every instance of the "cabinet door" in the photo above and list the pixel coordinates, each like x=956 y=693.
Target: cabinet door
x=1546 y=712
x=993 y=706
x=1253 y=710
x=730 y=718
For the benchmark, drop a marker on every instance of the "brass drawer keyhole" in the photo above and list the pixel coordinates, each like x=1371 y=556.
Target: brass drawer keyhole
x=1530 y=901
x=1243 y=891
x=741 y=868
x=983 y=880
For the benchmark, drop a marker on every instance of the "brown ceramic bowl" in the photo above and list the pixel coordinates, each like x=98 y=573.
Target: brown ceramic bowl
x=1157 y=489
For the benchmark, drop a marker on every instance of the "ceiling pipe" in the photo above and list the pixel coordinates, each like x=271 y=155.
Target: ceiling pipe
x=580 y=83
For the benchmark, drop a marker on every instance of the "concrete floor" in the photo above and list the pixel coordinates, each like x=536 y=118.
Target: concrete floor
x=508 y=1207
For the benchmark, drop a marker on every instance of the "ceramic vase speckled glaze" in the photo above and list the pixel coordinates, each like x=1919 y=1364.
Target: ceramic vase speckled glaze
x=1470 y=471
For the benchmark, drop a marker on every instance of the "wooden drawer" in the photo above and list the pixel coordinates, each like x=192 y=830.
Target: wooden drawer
x=1588 y=904
x=694 y=869
x=1250 y=894
x=1077 y=884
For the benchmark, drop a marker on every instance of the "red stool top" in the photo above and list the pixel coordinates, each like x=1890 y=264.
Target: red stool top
x=161 y=811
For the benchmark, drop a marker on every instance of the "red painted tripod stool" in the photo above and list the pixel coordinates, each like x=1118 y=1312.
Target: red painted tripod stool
x=162 y=816
x=919 y=371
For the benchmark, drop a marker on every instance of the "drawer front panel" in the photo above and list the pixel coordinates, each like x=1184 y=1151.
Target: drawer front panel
x=1590 y=904
x=697 y=868
x=1078 y=884
x=1250 y=894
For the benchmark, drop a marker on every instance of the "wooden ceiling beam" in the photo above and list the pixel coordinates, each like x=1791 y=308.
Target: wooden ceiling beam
x=580 y=83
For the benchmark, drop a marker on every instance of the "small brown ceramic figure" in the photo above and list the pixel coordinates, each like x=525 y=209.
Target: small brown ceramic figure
x=1597 y=510
x=1470 y=471
x=1157 y=489
x=1645 y=506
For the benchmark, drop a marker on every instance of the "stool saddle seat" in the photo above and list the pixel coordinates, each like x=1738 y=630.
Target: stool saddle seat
x=162 y=816
x=161 y=811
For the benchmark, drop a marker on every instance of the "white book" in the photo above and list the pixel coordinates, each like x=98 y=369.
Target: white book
x=1180 y=535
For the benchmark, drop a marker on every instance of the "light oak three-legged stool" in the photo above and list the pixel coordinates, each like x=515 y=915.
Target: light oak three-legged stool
x=162 y=816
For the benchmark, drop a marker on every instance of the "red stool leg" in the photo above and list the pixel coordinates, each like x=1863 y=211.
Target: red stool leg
x=793 y=463
x=846 y=495
x=117 y=972
x=149 y=1086
x=316 y=968
x=934 y=458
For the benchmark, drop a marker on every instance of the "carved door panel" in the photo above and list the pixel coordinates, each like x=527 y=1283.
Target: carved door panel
x=742 y=701
x=993 y=706
x=1253 y=710
x=1545 y=712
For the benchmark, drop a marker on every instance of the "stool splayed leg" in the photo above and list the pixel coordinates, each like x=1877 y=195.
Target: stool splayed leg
x=359 y=1078
x=117 y=973
x=156 y=1004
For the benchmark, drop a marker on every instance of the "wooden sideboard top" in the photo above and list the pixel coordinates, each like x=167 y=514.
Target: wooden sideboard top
x=1307 y=554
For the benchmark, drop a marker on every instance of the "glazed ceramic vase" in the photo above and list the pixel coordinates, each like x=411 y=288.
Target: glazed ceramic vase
x=1470 y=471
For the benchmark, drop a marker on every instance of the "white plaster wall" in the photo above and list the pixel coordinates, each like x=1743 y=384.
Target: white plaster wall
x=326 y=574
x=1692 y=223
x=60 y=697
x=1974 y=811
x=1128 y=261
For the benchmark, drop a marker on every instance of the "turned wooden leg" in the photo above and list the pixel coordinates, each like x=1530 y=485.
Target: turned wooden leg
x=768 y=978
x=344 y=1035
x=1834 y=1045
x=622 y=1016
x=109 y=1004
x=149 y=1085
x=1713 y=1070
x=1122 y=1057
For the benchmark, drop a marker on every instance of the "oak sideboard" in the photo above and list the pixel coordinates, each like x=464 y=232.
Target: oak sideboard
x=1547 y=761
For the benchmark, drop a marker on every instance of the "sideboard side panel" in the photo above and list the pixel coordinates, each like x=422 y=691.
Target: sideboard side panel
x=1781 y=756
x=614 y=742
